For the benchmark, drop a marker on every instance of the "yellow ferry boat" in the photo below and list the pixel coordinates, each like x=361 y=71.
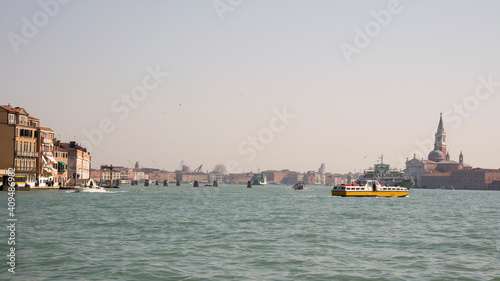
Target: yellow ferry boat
x=369 y=188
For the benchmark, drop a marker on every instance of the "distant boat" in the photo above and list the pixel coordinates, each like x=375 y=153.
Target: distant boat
x=259 y=179
x=298 y=186
x=369 y=188
x=90 y=189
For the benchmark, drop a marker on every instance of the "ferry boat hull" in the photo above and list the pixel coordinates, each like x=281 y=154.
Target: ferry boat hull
x=394 y=193
x=369 y=188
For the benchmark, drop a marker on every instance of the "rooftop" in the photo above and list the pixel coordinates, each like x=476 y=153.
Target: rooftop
x=46 y=129
x=9 y=108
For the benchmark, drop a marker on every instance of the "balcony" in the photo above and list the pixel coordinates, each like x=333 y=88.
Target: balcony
x=26 y=154
x=25 y=170
x=47 y=141
x=47 y=153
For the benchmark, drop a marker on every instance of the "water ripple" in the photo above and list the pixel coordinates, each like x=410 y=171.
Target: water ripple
x=263 y=233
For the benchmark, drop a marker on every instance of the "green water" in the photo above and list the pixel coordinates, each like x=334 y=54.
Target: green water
x=263 y=233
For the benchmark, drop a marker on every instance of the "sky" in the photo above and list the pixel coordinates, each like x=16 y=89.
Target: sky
x=257 y=84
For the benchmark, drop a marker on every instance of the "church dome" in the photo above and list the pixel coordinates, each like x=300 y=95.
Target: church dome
x=436 y=156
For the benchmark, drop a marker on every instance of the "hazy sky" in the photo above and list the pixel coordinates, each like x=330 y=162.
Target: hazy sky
x=233 y=64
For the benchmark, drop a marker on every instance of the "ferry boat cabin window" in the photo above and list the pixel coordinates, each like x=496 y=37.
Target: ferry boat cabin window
x=343 y=187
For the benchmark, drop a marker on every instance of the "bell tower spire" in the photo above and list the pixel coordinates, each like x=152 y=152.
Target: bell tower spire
x=440 y=141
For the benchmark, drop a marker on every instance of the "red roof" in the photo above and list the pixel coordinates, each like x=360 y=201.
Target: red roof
x=46 y=129
x=9 y=108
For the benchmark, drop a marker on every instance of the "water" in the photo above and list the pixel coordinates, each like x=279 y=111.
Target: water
x=263 y=233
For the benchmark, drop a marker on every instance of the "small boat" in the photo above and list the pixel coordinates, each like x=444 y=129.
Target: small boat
x=298 y=186
x=369 y=188
x=90 y=189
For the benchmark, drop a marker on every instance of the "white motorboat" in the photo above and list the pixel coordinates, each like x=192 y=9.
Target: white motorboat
x=90 y=189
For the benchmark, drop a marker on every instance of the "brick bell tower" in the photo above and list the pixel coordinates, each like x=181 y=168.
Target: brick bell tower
x=440 y=140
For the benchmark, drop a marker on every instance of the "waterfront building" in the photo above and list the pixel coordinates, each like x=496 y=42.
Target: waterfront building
x=190 y=177
x=276 y=176
x=166 y=176
x=213 y=176
x=438 y=163
x=128 y=175
x=477 y=179
x=106 y=176
x=19 y=142
x=330 y=179
x=139 y=176
x=79 y=161
x=153 y=175
x=47 y=164
x=309 y=178
x=291 y=178
x=170 y=176
x=320 y=178
x=239 y=178
x=61 y=157
x=494 y=185
x=334 y=179
x=439 y=171
x=272 y=175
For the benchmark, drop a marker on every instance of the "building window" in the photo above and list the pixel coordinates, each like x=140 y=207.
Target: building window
x=22 y=118
x=12 y=119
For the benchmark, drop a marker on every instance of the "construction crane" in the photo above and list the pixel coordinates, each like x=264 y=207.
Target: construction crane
x=198 y=170
x=182 y=164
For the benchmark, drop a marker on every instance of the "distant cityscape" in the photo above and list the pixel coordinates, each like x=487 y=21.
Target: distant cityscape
x=46 y=162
